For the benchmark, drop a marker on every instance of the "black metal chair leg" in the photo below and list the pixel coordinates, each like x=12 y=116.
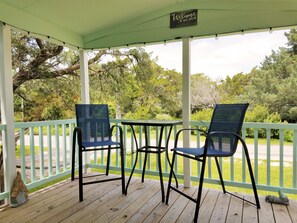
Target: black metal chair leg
x=220 y=174
x=144 y=165
x=167 y=155
x=170 y=178
x=161 y=176
x=108 y=162
x=73 y=155
x=73 y=163
x=80 y=174
x=251 y=173
x=170 y=165
x=132 y=171
x=123 y=170
x=200 y=190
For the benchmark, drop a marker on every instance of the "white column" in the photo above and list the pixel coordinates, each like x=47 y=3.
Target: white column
x=85 y=89
x=84 y=77
x=7 y=110
x=186 y=110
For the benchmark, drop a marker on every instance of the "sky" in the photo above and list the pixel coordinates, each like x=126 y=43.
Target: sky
x=226 y=55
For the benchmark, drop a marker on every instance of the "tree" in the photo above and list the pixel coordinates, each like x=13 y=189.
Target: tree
x=232 y=87
x=292 y=41
x=45 y=72
x=204 y=92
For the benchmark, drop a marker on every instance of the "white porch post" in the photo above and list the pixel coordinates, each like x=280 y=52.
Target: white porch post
x=84 y=77
x=85 y=88
x=7 y=110
x=186 y=111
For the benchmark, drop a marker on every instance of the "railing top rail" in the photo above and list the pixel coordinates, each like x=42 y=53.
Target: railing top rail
x=43 y=123
x=281 y=126
x=258 y=125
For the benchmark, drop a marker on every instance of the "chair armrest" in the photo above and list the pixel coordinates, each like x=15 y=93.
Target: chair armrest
x=77 y=131
x=120 y=129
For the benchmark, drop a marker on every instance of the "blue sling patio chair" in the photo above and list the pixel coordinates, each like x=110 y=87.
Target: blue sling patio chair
x=221 y=141
x=94 y=133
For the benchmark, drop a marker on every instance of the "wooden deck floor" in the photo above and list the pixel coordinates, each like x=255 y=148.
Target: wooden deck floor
x=105 y=203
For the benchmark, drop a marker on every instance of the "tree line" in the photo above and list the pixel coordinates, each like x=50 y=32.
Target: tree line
x=46 y=84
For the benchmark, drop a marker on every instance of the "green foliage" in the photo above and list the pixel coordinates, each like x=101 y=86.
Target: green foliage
x=232 y=87
x=292 y=41
x=142 y=113
x=47 y=85
x=259 y=114
x=163 y=117
x=204 y=115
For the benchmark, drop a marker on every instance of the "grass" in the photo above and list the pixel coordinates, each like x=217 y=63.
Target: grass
x=27 y=151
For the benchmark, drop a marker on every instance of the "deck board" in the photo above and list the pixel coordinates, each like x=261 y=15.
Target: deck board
x=235 y=210
x=104 y=202
x=221 y=208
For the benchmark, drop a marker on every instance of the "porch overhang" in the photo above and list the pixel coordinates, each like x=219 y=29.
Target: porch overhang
x=96 y=24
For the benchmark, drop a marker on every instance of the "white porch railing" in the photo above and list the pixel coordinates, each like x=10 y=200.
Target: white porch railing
x=44 y=152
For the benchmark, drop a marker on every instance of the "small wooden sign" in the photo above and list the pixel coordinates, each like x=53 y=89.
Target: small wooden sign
x=183 y=18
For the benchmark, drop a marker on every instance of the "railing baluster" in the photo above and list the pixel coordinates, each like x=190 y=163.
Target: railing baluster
x=281 y=158
x=32 y=155
x=232 y=168
x=133 y=148
x=117 y=151
x=256 y=172
x=149 y=155
x=243 y=158
x=41 y=150
x=64 y=147
x=268 y=154
x=22 y=154
x=140 y=145
x=198 y=138
x=70 y=141
x=50 y=150
x=209 y=167
x=294 y=159
x=176 y=160
x=57 y=149
x=125 y=143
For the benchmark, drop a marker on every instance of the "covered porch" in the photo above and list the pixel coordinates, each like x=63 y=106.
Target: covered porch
x=128 y=27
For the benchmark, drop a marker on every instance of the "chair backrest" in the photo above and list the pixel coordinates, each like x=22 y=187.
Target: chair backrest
x=226 y=118
x=93 y=119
